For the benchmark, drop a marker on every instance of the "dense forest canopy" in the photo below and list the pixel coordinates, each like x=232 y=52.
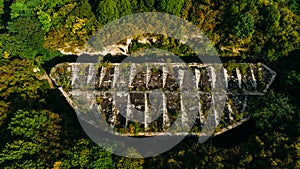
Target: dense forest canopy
x=265 y=29
x=38 y=129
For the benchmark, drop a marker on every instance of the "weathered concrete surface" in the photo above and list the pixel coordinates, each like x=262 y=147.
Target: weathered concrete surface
x=242 y=80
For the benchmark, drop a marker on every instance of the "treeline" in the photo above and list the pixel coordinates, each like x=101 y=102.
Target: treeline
x=248 y=28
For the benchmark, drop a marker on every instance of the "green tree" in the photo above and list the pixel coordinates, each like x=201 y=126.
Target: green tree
x=107 y=11
x=48 y=14
x=149 y=3
x=110 y=10
x=244 y=26
x=189 y=154
x=276 y=141
x=272 y=14
x=281 y=35
x=35 y=139
x=69 y=25
x=171 y=6
x=1 y=13
x=25 y=38
x=85 y=154
x=124 y=7
x=20 y=9
x=273 y=111
x=128 y=163
x=19 y=87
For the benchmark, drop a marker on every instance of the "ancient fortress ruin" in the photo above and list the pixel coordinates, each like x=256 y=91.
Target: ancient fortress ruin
x=242 y=80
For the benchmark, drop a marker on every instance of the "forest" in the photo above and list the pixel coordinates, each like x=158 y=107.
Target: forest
x=39 y=129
